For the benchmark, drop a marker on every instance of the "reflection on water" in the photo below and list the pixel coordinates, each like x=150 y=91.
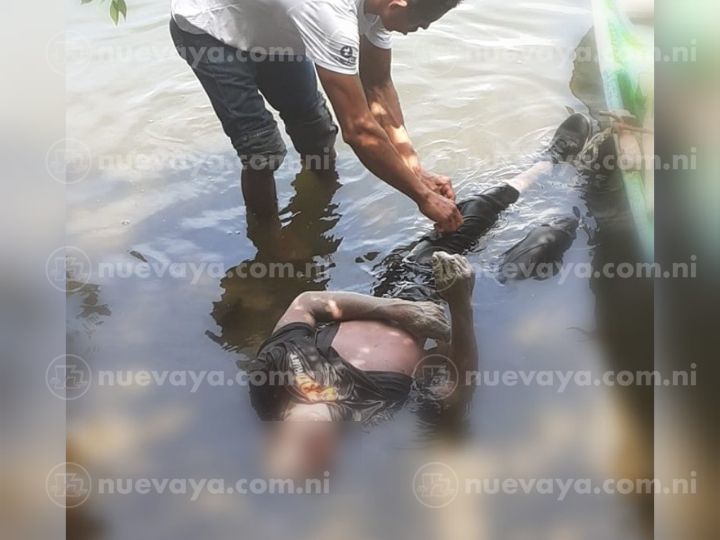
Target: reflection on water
x=90 y=304
x=482 y=91
x=293 y=255
x=624 y=307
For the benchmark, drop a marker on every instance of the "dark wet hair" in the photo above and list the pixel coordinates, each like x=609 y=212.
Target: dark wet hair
x=432 y=9
x=269 y=401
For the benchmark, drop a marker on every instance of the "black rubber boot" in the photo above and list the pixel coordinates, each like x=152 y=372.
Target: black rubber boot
x=569 y=139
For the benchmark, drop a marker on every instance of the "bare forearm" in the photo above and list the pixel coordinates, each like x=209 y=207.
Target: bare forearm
x=377 y=152
x=385 y=106
x=463 y=345
x=422 y=320
x=344 y=306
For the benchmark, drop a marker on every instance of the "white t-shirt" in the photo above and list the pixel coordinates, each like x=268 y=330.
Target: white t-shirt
x=326 y=31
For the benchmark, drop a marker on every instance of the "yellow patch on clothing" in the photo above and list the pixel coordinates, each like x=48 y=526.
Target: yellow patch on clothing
x=313 y=390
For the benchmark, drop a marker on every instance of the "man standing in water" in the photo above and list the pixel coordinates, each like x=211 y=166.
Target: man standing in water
x=244 y=50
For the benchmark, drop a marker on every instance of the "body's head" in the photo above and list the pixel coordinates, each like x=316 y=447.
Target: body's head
x=407 y=16
x=304 y=443
x=302 y=436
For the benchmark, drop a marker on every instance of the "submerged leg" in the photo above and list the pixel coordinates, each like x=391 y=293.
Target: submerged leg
x=480 y=213
x=259 y=193
x=408 y=275
x=525 y=179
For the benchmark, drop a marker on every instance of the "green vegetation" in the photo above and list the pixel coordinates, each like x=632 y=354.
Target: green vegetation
x=117 y=8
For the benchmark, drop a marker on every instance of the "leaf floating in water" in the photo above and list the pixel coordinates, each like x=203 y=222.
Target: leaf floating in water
x=138 y=255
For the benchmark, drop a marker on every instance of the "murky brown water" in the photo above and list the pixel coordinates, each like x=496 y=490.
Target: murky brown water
x=482 y=90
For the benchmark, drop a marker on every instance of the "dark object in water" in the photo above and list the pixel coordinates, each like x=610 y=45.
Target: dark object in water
x=569 y=139
x=539 y=255
x=138 y=255
x=407 y=272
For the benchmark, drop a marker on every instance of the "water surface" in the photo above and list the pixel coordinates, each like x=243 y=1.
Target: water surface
x=482 y=91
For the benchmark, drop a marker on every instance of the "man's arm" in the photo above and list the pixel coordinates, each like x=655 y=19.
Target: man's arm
x=455 y=280
x=376 y=77
x=312 y=307
x=374 y=148
x=463 y=346
x=422 y=319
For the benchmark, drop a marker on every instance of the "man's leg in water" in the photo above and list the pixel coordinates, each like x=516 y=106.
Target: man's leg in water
x=229 y=78
x=307 y=121
x=307 y=118
x=260 y=195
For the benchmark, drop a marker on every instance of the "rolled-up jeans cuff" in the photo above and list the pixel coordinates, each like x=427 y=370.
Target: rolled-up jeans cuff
x=261 y=150
x=315 y=137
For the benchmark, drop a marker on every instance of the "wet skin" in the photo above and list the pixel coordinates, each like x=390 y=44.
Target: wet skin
x=377 y=346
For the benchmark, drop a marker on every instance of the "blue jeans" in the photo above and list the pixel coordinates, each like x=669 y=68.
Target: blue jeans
x=236 y=81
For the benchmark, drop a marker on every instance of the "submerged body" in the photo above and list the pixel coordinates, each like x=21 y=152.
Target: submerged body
x=353 y=357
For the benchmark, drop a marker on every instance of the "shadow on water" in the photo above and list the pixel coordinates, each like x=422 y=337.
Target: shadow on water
x=623 y=307
x=294 y=254
x=90 y=305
